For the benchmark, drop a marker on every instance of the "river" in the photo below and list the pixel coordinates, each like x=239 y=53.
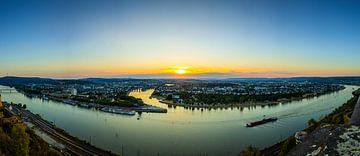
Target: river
x=182 y=131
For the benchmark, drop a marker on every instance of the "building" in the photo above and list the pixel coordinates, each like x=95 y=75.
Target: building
x=74 y=92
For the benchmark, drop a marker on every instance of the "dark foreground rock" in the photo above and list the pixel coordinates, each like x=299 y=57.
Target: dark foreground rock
x=331 y=140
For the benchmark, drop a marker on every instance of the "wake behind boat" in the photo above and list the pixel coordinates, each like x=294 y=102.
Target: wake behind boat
x=260 y=122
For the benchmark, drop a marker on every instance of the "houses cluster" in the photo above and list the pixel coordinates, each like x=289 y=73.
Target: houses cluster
x=245 y=88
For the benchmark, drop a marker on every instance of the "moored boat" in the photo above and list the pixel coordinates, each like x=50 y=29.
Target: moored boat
x=84 y=105
x=119 y=111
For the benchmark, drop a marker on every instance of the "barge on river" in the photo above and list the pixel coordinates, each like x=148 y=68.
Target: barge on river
x=260 y=122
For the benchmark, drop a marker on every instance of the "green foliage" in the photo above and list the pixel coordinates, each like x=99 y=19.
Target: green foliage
x=121 y=99
x=53 y=152
x=250 y=151
x=169 y=97
x=342 y=114
x=347 y=117
x=231 y=99
x=18 y=140
x=312 y=122
x=287 y=146
x=5 y=141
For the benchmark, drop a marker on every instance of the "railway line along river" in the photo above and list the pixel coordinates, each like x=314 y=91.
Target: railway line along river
x=182 y=131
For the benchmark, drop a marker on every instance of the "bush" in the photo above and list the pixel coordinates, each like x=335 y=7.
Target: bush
x=342 y=114
x=287 y=146
x=17 y=139
x=312 y=122
x=250 y=151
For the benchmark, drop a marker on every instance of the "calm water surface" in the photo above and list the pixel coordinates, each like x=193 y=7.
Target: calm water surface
x=182 y=131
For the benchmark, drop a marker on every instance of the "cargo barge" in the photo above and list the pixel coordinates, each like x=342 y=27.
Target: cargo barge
x=260 y=122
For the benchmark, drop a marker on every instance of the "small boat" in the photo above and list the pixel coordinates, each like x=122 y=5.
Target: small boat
x=119 y=111
x=260 y=122
x=70 y=102
x=45 y=98
x=84 y=105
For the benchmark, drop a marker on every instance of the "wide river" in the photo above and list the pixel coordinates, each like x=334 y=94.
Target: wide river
x=183 y=131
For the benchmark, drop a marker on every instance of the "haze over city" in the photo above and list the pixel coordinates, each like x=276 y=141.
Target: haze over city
x=179 y=39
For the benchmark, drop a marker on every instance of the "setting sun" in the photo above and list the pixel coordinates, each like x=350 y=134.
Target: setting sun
x=180 y=71
x=205 y=77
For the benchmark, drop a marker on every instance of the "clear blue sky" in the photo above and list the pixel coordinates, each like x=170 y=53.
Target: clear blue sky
x=70 y=38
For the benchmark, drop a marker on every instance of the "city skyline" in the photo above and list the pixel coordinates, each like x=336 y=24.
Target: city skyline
x=179 y=39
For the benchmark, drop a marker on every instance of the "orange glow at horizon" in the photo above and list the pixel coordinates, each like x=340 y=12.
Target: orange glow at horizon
x=181 y=71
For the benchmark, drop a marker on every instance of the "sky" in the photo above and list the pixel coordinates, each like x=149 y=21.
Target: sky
x=179 y=39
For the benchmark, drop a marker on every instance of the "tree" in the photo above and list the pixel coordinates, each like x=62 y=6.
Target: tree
x=312 y=122
x=287 y=146
x=169 y=97
x=20 y=140
x=250 y=151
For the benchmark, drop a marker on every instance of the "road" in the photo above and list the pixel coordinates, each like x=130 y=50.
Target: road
x=72 y=144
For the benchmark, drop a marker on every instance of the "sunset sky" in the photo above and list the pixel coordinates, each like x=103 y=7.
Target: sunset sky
x=197 y=39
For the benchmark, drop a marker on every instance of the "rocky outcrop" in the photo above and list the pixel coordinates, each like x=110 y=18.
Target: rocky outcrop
x=356 y=93
x=331 y=140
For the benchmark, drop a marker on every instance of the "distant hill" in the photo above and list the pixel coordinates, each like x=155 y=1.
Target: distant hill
x=12 y=80
x=73 y=81
x=344 y=79
x=106 y=80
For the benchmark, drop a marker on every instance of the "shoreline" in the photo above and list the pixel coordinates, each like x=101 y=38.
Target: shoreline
x=276 y=148
x=146 y=108
x=246 y=104
x=60 y=137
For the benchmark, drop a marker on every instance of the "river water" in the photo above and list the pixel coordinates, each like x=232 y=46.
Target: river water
x=182 y=131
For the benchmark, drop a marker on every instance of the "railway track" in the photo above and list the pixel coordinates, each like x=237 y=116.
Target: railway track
x=74 y=145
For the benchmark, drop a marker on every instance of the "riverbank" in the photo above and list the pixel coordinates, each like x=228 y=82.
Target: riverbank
x=317 y=134
x=72 y=144
x=245 y=104
x=18 y=139
x=145 y=108
x=182 y=128
x=206 y=106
